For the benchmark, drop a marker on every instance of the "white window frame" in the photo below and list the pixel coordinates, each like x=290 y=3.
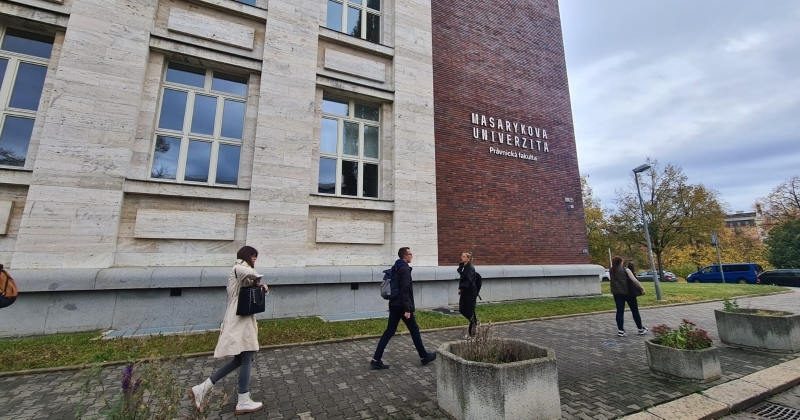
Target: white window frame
x=14 y=60
x=187 y=136
x=362 y=6
x=361 y=159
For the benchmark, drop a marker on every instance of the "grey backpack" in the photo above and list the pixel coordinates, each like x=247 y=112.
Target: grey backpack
x=389 y=288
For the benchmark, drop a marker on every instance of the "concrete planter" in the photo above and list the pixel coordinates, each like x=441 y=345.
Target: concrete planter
x=694 y=365
x=521 y=390
x=744 y=328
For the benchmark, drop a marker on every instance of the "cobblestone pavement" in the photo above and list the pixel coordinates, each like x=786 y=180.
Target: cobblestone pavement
x=601 y=376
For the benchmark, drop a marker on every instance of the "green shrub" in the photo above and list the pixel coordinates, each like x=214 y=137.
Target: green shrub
x=684 y=270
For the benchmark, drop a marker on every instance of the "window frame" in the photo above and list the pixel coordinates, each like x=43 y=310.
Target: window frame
x=361 y=5
x=7 y=87
x=186 y=136
x=361 y=159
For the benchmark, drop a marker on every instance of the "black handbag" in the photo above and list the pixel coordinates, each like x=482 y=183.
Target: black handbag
x=252 y=300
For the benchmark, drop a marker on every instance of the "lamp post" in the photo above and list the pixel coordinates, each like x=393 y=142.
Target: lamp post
x=636 y=171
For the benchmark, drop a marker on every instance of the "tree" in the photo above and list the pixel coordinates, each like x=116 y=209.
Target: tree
x=595 y=225
x=783 y=245
x=783 y=203
x=677 y=212
x=736 y=245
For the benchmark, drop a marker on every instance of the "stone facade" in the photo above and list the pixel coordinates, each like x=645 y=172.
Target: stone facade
x=169 y=133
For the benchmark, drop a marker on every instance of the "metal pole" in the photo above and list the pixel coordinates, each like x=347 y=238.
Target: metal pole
x=610 y=263
x=719 y=258
x=647 y=236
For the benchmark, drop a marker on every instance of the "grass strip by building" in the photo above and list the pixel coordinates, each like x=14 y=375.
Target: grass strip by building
x=84 y=348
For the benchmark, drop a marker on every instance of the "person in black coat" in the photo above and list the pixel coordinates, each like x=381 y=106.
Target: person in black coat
x=468 y=293
x=401 y=306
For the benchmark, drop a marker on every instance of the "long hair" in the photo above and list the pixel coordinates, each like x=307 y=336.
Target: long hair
x=246 y=254
x=615 y=263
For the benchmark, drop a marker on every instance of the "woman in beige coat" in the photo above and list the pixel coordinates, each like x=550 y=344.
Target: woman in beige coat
x=238 y=336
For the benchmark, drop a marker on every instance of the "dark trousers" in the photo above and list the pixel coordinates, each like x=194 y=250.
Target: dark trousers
x=466 y=305
x=243 y=360
x=395 y=315
x=621 y=300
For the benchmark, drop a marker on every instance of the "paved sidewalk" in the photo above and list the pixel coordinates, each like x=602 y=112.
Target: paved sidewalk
x=601 y=376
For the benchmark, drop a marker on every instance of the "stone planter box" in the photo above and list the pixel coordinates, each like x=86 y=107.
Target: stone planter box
x=779 y=334
x=521 y=390
x=694 y=365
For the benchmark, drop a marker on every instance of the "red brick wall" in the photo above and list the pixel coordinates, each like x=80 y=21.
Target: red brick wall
x=504 y=60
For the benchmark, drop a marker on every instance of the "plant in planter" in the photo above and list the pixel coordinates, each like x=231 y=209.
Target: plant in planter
x=497 y=378
x=685 y=353
x=762 y=329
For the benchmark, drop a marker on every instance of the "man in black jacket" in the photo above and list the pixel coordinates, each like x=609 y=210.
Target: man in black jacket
x=401 y=306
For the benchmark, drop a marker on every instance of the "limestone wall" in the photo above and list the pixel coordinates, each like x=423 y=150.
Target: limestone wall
x=86 y=197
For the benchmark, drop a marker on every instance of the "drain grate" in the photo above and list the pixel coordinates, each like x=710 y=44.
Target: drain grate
x=776 y=412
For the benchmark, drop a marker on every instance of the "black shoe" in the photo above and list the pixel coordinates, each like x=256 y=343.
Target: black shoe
x=377 y=365
x=429 y=358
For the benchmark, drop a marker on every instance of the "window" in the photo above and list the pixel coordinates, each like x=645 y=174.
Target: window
x=359 y=18
x=23 y=67
x=249 y=2
x=200 y=125
x=349 y=160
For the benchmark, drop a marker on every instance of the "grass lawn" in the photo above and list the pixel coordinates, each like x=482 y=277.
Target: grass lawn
x=84 y=348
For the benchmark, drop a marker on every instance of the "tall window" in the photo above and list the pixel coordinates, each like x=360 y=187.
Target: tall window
x=23 y=66
x=200 y=125
x=349 y=148
x=359 y=18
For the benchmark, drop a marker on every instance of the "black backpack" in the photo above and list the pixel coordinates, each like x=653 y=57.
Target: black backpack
x=478 y=284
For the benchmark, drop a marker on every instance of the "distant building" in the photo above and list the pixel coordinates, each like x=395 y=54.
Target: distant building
x=749 y=221
x=740 y=219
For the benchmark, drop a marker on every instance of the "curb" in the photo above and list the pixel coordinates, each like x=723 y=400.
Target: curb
x=356 y=338
x=728 y=398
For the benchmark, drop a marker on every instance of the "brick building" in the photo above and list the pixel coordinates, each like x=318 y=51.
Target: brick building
x=142 y=142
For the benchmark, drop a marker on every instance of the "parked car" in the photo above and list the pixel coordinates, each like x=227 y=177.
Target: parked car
x=782 y=277
x=734 y=273
x=648 y=276
x=605 y=276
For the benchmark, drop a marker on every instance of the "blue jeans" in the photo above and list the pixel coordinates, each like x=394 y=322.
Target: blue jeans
x=243 y=360
x=395 y=315
x=621 y=300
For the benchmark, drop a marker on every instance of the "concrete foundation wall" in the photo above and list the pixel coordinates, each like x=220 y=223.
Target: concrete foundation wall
x=53 y=301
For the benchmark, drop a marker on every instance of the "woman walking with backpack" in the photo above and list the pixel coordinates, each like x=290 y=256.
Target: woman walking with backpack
x=468 y=293
x=238 y=336
x=625 y=287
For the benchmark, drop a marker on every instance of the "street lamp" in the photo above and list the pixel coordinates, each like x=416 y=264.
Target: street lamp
x=636 y=171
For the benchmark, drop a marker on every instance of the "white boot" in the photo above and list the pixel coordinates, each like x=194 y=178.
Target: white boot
x=199 y=392
x=246 y=405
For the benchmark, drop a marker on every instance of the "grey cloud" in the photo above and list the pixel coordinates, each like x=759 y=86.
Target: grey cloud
x=710 y=86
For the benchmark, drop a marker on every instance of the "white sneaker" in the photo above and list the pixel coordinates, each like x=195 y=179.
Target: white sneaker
x=198 y=393
x=466 y=337
x=643 y=331
x=621 y=333
x=246 y=405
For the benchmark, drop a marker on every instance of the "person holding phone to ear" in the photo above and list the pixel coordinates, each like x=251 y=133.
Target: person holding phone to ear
x=238 y=336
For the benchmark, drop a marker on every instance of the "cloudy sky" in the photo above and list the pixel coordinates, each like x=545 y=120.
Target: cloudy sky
x=712 y=86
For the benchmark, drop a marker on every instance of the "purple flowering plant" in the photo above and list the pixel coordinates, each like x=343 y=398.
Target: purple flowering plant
x=686 y=337
x=147 y=390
